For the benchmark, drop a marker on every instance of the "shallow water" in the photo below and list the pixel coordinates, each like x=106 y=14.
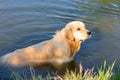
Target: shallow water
x=27 y=22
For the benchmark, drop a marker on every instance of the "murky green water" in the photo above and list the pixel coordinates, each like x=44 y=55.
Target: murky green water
x=27 y=22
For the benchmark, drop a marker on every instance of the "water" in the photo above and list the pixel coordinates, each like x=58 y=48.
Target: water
x=27 y=22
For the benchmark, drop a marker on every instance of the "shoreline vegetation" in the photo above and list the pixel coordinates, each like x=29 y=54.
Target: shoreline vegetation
x=104 y=72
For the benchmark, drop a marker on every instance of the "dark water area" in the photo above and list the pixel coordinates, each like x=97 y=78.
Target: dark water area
x=27 y=22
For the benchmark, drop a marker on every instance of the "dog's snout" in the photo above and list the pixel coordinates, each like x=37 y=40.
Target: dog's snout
x=89 y=33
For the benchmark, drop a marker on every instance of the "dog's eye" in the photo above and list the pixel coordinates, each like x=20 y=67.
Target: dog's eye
x=78 y=29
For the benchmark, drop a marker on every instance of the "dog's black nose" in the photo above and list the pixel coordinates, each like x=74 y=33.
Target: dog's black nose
x=89 y=33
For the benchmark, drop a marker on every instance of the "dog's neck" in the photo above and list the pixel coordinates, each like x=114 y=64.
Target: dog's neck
x=59 y=35
x=74 y=46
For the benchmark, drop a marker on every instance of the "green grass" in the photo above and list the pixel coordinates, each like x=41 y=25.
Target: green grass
x=104 y=73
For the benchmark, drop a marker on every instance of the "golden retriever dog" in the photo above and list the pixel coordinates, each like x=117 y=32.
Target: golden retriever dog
x=61 y=48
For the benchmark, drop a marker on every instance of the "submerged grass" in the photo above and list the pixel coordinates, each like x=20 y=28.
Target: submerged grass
x=117 y=75
x=104 y=73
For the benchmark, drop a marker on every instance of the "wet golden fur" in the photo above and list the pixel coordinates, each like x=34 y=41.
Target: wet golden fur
x=61 y=48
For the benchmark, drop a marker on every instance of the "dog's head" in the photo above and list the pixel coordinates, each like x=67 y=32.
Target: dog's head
x=76 y=31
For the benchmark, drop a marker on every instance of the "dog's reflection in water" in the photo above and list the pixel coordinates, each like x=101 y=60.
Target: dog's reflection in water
x=59 y=69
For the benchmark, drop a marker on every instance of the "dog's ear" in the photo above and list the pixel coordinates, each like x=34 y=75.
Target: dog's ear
x=69 y=34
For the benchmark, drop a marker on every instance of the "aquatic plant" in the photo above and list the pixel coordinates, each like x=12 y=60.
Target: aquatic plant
x=104 y=73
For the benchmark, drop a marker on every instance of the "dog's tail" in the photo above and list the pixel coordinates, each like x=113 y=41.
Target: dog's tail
x=4 y=60
x=9 y=59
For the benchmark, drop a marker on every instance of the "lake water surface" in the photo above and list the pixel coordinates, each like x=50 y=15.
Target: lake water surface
x=27 y=22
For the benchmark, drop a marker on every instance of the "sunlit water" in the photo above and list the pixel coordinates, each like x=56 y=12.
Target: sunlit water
x=27 y=22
